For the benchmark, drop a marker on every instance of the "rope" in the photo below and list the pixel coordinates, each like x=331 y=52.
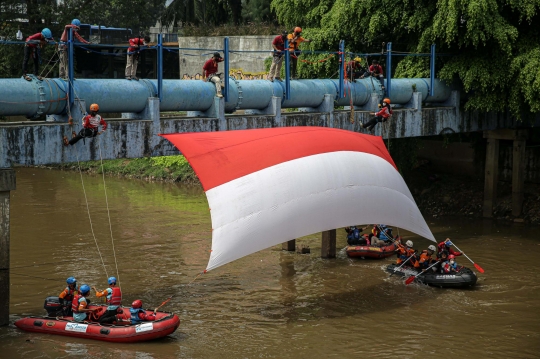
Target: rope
x=109 y=215
x=32 y=276
x=318 y=61
x=48 y=72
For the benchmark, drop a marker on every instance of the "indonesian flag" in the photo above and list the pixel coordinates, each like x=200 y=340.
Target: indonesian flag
x=269 y=186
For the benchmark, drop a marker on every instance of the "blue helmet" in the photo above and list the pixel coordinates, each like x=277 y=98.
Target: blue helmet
x=112 y=280
x=85 y=288
x=448 y=243
x=71 y=280
x=46 y=33
x=76 y=22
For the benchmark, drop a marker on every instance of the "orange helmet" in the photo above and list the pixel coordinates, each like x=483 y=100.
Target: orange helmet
x=386 y=100
x=94 y=107
x=298 y=29
x=136 y=304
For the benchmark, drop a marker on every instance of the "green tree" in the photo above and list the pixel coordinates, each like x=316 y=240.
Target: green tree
x=494 y=45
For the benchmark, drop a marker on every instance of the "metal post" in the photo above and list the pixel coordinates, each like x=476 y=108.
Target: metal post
x=287 y=71
x=70 y=66
x=226 y=61
x=341 y=66
x=432 y=71
x=7 y=184
x=388 y=68
x=160 y=66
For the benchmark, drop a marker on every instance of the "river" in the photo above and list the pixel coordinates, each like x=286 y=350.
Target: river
x=271 y=304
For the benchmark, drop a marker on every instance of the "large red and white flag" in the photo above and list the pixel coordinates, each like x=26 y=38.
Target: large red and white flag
x=268 y=186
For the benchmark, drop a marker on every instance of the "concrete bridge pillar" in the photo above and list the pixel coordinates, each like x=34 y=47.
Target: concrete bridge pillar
x=519 y=138
x=7 y=184
x=328 y=246
x=289 y=245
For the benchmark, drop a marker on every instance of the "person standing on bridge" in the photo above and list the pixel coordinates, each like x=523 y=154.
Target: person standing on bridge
x=91 y=125
x=133 y=56
x=31 y=50
x=295 y=39
x=277 y=56
x=62 y=46
x=210 y=69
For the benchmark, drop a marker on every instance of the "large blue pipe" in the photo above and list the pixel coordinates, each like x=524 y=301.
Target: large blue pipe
x=20 y=97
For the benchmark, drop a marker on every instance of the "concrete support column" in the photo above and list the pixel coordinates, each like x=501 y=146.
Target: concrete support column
x=328 y=246
x=289 y=245
x=491 y=176
x=518 y=174
x=7 y=184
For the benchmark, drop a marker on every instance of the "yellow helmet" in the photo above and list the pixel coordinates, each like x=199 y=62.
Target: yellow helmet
x=358 y=59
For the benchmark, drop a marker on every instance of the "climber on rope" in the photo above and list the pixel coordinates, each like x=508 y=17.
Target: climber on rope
x=114 y=301
x=62 y=46
x=31 y=50
x=91 y=125
x=133 y=56
x=382 y=116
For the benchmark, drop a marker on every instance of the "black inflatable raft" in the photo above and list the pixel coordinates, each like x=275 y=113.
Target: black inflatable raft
x=464 y=278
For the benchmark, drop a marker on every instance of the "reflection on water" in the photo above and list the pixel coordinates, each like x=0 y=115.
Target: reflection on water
x=271 y=304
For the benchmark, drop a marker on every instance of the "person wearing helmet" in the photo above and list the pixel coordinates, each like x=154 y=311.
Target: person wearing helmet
x=210 y=69
x=406 y=251
x=138 y=314
x=382 y=116
x=376 y=71
x=277 y=56
x=355 y=237
x=114 y=300
x=62 y=46
x=355 y=70
x=450 y=265
x=445 y=248
x=91 y=125
x=295 y=39
x=425 y=257
x=382 y=235
x=31 y=50
x=80 y=303
x=67 y=295
x=133 y=56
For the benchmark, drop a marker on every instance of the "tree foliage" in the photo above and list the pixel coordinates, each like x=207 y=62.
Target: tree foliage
x=493 y=46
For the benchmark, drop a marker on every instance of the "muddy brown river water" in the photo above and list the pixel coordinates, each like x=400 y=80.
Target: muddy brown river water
x=271 y=304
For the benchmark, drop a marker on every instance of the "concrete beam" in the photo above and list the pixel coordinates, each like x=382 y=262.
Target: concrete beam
x=518 y=176
x=506 y=134
x=7 y=184
x=491 y=176
x=328 y=245
x=289 y=245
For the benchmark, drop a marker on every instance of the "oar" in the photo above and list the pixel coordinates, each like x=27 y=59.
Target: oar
x=162 y=304
x=480 y=269
x=402 y=264
x=411 y=278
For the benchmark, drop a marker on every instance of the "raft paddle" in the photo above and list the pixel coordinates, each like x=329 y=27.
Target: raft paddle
x=412 y=278
x=480 y=269
x=162 y=304
x=402 y=264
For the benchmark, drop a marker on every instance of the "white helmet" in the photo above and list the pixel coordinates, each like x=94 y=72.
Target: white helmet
x=432 y=248
x=409 y=243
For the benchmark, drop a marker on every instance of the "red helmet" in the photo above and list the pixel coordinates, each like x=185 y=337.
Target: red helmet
x=94 y=107
x=451 y=256
x=136 y=304
x=298 y=29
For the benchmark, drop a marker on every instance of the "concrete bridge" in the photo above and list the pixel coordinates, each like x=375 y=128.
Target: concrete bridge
x=419 y=111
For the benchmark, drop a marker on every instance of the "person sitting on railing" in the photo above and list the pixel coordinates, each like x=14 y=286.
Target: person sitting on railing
x=277 y=56
x=62 y=46
x=133 y=56
x=382 y=116
x=210 y=69
x=376 y=70
x=91 y=125
x=31 y=50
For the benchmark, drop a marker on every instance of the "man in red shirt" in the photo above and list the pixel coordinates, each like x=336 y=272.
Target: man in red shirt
x=62 y=47
x=91 y=125
x=31 y=49
x=210 y=69
x=376 y=71
x=277 y=60
x=133 y=56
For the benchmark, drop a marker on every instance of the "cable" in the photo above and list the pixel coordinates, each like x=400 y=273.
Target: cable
x=32 y=276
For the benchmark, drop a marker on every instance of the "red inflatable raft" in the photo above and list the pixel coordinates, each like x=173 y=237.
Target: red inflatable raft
x=371 y=251
x=165 y=324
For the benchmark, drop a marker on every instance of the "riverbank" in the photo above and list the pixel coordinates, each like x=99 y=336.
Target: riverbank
x=436 y=194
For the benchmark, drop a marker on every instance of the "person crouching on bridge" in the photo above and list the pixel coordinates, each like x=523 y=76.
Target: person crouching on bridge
x=62 y=47
x=91 y=125
x=133 y=56
x=31 y=50
x=210 y=69
x=382 y=116
x=114 y=300
x=138 y=314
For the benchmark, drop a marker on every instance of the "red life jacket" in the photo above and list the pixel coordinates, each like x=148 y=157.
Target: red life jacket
x=70 y=295
x=116 y=297
x=75 y=303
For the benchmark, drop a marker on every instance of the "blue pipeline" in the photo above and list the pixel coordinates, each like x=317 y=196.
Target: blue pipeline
x=20 y=97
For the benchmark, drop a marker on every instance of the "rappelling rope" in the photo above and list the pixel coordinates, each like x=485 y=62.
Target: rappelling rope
x=47 y=74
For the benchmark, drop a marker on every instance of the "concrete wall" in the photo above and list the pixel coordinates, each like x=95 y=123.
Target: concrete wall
x=191 y=62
